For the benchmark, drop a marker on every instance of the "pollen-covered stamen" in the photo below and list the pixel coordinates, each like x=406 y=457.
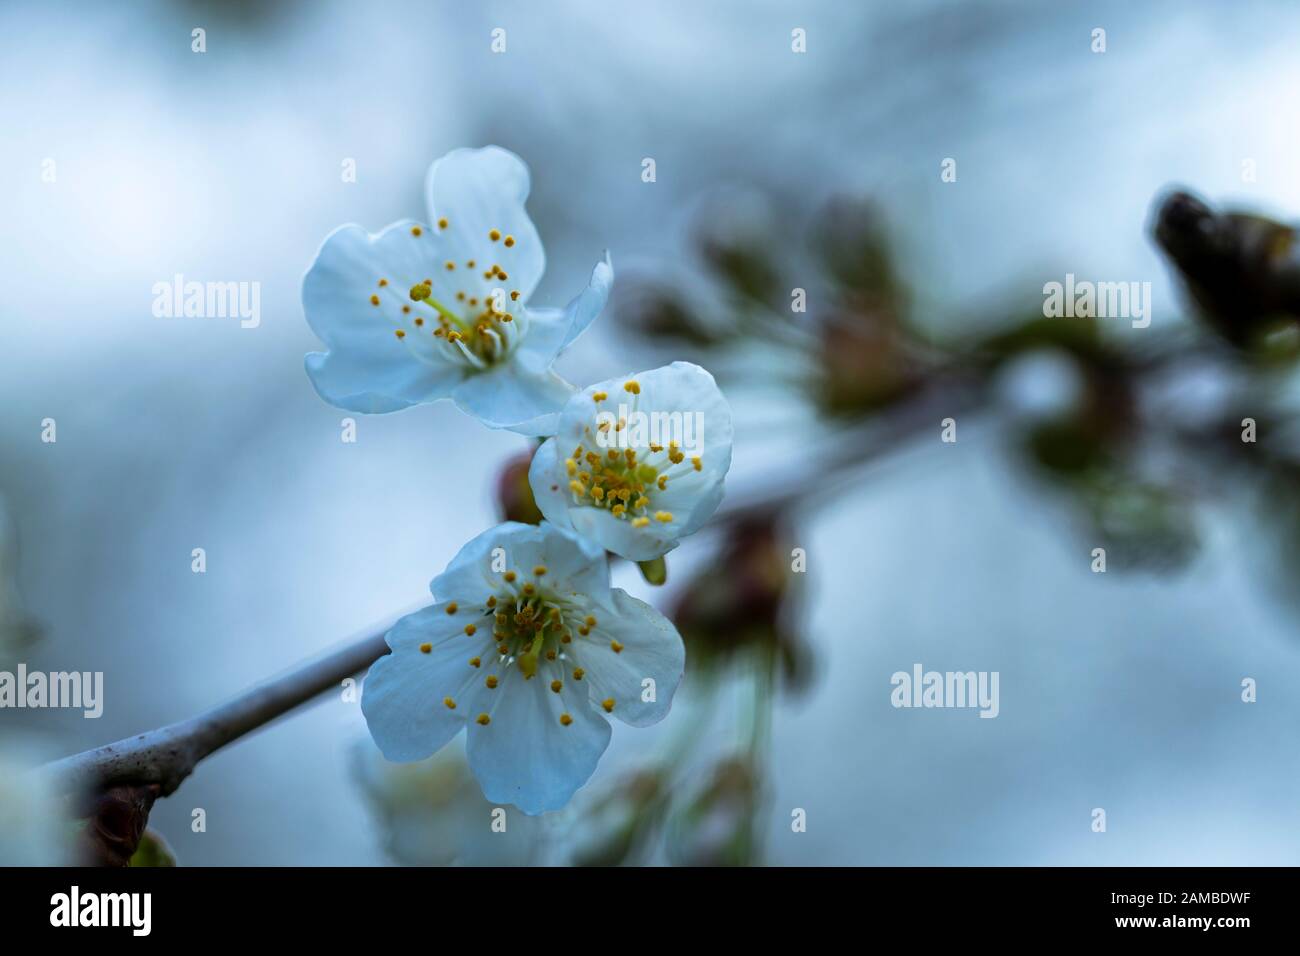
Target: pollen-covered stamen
x=533 y=624
x=624 y=480
x=484 y=333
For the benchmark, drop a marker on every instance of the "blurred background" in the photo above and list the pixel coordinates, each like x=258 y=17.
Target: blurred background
x=775 y=170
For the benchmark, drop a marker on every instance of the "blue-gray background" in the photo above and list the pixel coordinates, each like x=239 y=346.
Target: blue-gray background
x=1118 y=691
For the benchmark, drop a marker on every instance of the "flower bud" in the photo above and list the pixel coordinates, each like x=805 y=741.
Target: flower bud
x=1242 y=270
x=514 y=495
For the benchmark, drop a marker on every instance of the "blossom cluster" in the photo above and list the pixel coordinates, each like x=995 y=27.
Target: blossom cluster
x=526 y=647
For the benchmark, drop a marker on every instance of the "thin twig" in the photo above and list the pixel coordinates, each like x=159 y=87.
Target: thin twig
x=168 y=755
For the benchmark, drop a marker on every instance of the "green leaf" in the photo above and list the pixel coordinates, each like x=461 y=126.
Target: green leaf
x=655 y=571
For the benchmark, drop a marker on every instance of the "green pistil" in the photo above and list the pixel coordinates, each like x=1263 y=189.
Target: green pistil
x=528 y=660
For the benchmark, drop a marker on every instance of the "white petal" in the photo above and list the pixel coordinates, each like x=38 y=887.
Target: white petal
x=404 y=694
x=506 y=396
x=575 y=568
x=368 y=368
x=525 y=755
x=651 y=649
x=551 y=331
x=550 y=483
x=477 y=191
x=620 y=536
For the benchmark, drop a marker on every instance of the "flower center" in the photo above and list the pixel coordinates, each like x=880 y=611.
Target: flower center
x=483 y=335
x=624 y=480
x=476 y=329
x=530 y=624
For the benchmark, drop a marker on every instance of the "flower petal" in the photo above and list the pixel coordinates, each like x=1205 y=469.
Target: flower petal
x=506 y=396
x=619 y=535
x=650 y=647
x=477 y=191
x=525 y=755
x=551 y=331
x=550 y=483
x=574 y=566
x=368 y=368
x=403 y=698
